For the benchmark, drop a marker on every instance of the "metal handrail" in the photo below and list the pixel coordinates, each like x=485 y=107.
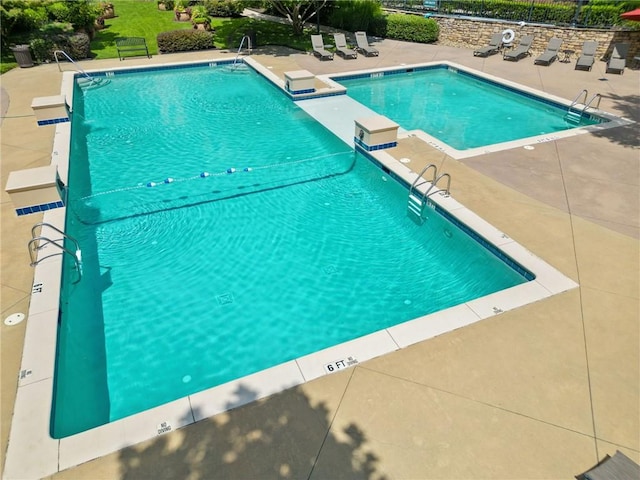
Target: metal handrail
x=43 y=241
x=588 y=104
x=248 y=39
x=415 y=183
x=434 y=183
x=575 y=100
x=77 y=67
x=56 y=229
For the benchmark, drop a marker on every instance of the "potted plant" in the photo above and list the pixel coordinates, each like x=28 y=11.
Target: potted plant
x=107 y=10
x=200 y=18
x=182 y=10
x=165 y=5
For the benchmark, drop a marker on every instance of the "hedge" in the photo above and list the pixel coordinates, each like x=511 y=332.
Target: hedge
x=184 y=40
x=76 y=45
x=412 y=28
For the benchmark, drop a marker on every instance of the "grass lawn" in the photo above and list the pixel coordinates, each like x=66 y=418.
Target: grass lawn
x=143 y=19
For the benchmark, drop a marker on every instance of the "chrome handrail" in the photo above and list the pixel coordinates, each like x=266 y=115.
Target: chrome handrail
x=575 y=100
x=77 y=67
x=56 y=229
x=435 y=182
x=415 y=183
x=588 y=104
x=44 y=241
x=248 y=39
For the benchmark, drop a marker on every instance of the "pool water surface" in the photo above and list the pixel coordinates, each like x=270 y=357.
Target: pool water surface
x=462 y=110
x=215 y=245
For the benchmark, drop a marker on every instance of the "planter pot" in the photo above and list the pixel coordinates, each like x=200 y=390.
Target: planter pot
x=202 y=26
x=183 y=16
x=108 y=12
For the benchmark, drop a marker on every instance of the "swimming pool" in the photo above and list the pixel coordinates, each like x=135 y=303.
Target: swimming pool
x=207 y=231
x=462 y=109
x=31 y=421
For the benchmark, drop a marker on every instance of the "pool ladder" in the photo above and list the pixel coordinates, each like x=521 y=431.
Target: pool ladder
x=248 y=40
x=91 y=79
x=575 y=114
x=39 y=242
x=418 y=200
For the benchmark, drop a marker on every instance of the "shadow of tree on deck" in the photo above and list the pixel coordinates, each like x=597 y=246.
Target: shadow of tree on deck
x=626 y=135
x=281 y=437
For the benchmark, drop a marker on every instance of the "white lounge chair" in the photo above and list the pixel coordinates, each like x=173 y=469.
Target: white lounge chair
x=318 y=48
x=341 y=46
x=363 y=45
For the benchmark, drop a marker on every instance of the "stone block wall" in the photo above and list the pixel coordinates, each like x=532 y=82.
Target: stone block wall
x=466 y=33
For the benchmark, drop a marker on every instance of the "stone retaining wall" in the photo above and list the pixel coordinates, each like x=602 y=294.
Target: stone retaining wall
x=466 y=33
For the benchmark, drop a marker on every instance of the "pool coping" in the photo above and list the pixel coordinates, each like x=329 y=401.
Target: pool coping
x=31 y=421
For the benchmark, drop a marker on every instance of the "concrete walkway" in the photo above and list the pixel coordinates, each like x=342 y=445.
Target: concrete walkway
x=544 y=391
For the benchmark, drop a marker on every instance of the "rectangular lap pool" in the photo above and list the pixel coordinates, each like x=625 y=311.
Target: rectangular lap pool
x=224 y=231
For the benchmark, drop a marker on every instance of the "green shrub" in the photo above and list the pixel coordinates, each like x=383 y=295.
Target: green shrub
x=599 y=15
x=56 y=28
x=354 y=15
x=412 y=28
x=224 y=8
x=79 y=13
x=184 y=40
x=42 y=49
x=378 y=26
x=77 y=46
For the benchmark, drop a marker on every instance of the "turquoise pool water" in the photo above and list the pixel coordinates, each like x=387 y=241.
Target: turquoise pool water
x=223 y=232
x=458 y=108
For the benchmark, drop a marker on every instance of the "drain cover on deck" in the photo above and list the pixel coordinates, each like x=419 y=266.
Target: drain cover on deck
x=14 y=319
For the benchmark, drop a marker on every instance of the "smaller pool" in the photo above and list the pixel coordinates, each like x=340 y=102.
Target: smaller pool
x=458 y=108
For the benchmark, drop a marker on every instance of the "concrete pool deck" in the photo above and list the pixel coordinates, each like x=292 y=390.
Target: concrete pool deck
x=544 y=391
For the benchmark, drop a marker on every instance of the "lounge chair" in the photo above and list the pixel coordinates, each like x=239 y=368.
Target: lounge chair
x=494 y=46
x=551 y=52
x=618 y=59
x=617 y=467
x=318 y=48
x=363 y=45
x=522 y=50
x=341 y=46
x=588 y=56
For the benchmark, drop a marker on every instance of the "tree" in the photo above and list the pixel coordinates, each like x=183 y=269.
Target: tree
x=297 y=12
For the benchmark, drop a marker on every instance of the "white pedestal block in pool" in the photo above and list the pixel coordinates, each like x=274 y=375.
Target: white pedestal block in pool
x=34 y=190
x=376 y=133
x=50 y=110
x=299 y=81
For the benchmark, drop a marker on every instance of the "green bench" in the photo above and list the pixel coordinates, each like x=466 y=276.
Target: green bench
x=131 y=45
